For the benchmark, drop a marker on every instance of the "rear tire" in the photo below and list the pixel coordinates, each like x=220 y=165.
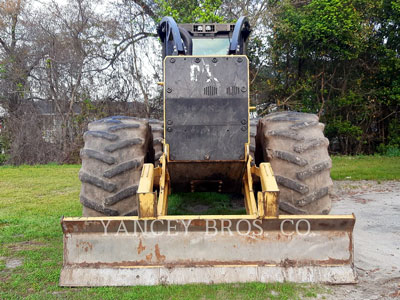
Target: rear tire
x=253 y=133
x=112 y=159
x=297 y=149
x=157 y=130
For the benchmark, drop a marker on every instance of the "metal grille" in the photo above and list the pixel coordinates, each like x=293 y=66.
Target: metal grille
x=210 y=28
x=210 y=90
x=198 y=28
x=232 y=90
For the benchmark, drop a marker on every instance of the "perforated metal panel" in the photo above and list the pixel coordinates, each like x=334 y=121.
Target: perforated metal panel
x=206 y=107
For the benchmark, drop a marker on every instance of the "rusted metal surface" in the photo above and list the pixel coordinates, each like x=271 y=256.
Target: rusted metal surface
x=217 y=185
x=129 y=251
x=205 y=174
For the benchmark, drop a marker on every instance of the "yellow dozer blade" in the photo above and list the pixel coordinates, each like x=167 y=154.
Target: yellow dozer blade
x=155 y=248
x=121 y=251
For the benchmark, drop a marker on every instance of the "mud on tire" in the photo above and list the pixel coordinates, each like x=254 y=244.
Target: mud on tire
x=112 y=159
x=297 y=149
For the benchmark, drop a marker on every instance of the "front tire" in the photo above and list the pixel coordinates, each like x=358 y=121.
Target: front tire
x=297 y=149
x=112 y=159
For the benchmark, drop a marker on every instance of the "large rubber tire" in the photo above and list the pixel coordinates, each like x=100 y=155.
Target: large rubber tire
x=253 y=133
x=112 y=159
x=297 y=149
x=157 y=130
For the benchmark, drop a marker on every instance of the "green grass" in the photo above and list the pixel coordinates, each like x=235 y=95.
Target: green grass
x=365 y=168
x=210 y=204
x=32 y=200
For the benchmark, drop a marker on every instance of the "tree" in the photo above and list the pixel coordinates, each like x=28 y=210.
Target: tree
x=18 y=56
x=324 y=60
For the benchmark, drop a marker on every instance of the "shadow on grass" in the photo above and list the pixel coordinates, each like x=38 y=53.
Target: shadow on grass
x=206 y=203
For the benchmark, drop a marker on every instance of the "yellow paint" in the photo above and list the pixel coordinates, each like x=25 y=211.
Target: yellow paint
x=162 y=205
x=147 y=205
x=272 y=204
x=268 y=182
x=146 y=179
x=157 y=176
x=166 y=152
x=214 y=217
x=147 y=198
x=268 y=199
x=250 y=201
x=246 y=151
x=261 y=205
x=255 y=170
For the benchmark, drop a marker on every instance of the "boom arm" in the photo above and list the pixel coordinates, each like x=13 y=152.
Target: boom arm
x=240 y=35
x=174 y=38
x=177 y=40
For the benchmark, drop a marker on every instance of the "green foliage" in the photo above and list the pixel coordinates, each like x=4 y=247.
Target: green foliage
x=3 y=70
x=392 y=146
x=209 y=203
x=394 y=133
x=333 y=28
x=339 y=128
x=337 y=58
x=388 y=150
x=4 y=147
x=20 y=89
x=3 y=158
x=48 y=63
x=193 y=11
x=324 y=28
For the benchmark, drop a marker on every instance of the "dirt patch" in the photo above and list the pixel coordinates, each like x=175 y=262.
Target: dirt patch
x=237 y=201
x=13 y=263
x=349 y=188
x=26 y=245
x=62 y=293
x=198 y=208
x=376 y=237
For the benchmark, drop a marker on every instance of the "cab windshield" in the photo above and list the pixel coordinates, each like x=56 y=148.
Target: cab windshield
x=212 y=46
